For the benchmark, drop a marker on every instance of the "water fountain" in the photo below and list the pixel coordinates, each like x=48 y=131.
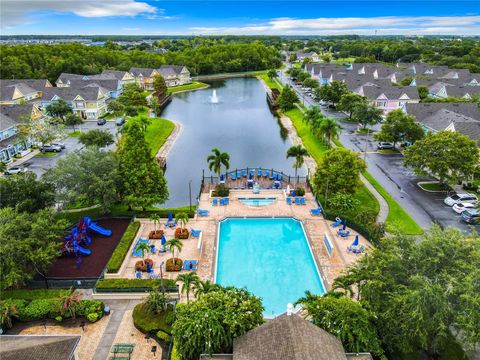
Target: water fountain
x=214 y=98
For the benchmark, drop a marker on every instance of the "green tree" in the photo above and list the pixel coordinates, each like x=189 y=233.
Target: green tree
x=203 y=287
x=366 y=114
x=347 y=320
x=430 y=290
x=143 y=183
x=156 y=302
x=298 y=152
x=96 y=138
x=155 y=106
x=115 y=107
x=287 y=98
x=423 y=92
x=348 y=101
x=182 y=218
x=88 y=177
x=311 y=83
x=143 y=247
x=188 y=280
x=28 y=244
x=292 y=57
x=217 y=160
x=272 y=74
x=400 y=127
x=144 y=122
x=332 y=92
x=132 y=95
x=155 y=218
x=3 y=166
x=446 y=155
x=25 y=193
x=329 y=129
x=72 y=120
x=311 y=114
x=339 y=170
x=42 y=132
x=209 y=324
x=58 y=109
x=159 y=87
x=174 y=244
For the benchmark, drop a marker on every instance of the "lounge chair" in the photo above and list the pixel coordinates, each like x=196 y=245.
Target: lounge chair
x=337 y=222
x=297 y=201
x=316 y=212
x=190 y=265
x=138 y=274
x=202 y=211
x=259 y=172
x=302 y=201
x=195 y=233
x=170 y=222
x=226 y=201
x=244 y=173
x=273 y=176
x=222 y=202
x=152 y=248
x=289 y=201
x=233 y=176
x=266 y=173
x=214 y=202
x=251 y=173
x=343 y=233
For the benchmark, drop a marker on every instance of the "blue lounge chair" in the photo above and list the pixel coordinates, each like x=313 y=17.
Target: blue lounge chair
x=302 y=201
x=233 y=176
x=297 y=201
x=244 y=173
x=222 y=202
x=316 y=212
x=289 y=201
x=214 y=202
x=202 y=211
x=190 y=265
x=266 y=173
x=337 y=222
x=138 y=274
x=252 y=173
x=273 y=176
x=170 y=222
x=152 y=248
x=226 y=201
x=195 y=233
x=358 y=249
x=343 y=233
x=259 y=172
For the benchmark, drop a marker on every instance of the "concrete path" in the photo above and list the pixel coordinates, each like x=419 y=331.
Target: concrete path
x=118 y=309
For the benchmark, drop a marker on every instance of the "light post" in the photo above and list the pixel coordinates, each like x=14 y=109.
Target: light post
x=161 y=276
x=190 y=193
x=366 y=143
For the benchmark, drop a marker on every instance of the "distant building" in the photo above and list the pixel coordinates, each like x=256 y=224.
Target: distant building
x=39 y=347
x=388 y=98
x=22 y=90
x=143 y=77
x=312 y=55
x=175 y=75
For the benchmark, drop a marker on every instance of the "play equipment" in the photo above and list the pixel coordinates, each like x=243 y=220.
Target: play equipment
x=72 y=243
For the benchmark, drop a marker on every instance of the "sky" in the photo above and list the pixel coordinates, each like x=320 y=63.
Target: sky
x=281 y=17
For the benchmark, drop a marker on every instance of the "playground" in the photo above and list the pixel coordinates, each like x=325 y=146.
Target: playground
x=88 y=247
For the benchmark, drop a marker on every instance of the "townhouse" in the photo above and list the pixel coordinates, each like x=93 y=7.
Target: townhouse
x=144 y=77
x=389 y=98
x=17 y=91
x=175 y=75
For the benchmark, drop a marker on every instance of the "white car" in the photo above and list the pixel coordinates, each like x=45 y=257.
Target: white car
x=460 y=198
x=461 y=207
x=15 y=170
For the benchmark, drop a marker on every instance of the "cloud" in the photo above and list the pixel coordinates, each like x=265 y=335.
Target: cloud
x=131 y=28
x=386 y=25
x=18 y=12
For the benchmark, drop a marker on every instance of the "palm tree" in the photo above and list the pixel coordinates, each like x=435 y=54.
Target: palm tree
x=156 y=302
x=217 y=160
x=188 y=280
x=174 y=244
x=308 y=298
x=155 y=218
x=298 y=152
x=182 y=219
x=142 y=247
x=203 y=287
x=311 y=114
x=329 y=129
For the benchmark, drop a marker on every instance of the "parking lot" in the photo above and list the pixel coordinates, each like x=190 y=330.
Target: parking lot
x=39 y=164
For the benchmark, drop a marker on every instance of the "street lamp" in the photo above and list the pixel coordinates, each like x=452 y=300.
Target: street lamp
x=190 y=193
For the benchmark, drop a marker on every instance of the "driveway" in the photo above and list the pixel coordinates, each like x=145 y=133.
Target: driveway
x=39 y=164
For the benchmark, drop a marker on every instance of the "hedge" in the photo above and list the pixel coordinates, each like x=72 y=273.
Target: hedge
x=134 y=285
x=33 y=294
x=151 y=323
x=122 y=248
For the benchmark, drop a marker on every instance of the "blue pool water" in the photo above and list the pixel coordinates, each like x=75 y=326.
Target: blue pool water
x=257 y=201
x=270 y=257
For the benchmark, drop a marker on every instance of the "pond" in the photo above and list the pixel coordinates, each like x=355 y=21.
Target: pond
x=240 y=123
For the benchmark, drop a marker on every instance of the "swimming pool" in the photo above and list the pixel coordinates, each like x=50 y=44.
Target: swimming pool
x=271 y=257
x=257 y=201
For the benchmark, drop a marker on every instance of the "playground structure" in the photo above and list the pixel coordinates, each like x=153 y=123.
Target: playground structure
x=78 y=238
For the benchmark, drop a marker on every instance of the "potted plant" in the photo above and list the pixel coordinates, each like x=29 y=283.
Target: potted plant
x=174 y=264
x=182 y=232
x=155 y=234
x=142 y=264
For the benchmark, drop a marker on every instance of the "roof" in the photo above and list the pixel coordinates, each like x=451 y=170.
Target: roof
x=170 y=70
x=36 y=84
x=65 y=77
x=107 y=84
x=38 y=347
x=69 y=93
x=146 y=72
x=110 y=74
x=391 y=92
x=423 y=110
x=471 y=129
x=288 y=337
x=461 y=91
x=8 y=89
x=15 y=112
x=441 y=119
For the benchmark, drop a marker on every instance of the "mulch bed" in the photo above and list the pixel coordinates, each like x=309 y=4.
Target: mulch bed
x=102 y=248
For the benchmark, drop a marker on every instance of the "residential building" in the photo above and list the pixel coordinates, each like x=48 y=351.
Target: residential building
x=144 y=77
x=22 y=90
x=112 y=87
x=390 y=98
x=39 y=347
x=175 y=75
x=89 y=102
x=11 y=118
x=312 y=55
x=125 y=77
x=288 y=337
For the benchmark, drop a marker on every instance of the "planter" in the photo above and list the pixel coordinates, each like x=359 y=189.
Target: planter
x=155 y=234
x=174 y=266
x=182 y=233
x=141 y=265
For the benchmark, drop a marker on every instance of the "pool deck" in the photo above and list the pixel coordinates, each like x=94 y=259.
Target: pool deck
x=316 y=228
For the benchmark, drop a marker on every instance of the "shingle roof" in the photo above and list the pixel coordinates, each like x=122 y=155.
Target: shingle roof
x=7 y=89
x=471 y=129
x=110 y=74
x=65 y=77
x=441 y=119
x=391 y=92
x=146 y=72
x=69 y=93
x=288 y=337
x=461 y=91
x=423 y=110
x=108 y=84
x=36 y=84
x=15 y=112
x=170 y=70
x=37 y=347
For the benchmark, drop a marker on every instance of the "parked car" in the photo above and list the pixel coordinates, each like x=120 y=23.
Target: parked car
x=385 y=145
x=461 y=207
x=62 y=145
x=120 y=121
x=15 y=170
x=101 y=121
x=50 y=148
x=471 y=216
x=460 y=198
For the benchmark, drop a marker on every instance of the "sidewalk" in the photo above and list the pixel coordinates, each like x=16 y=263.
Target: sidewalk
x=25 y=158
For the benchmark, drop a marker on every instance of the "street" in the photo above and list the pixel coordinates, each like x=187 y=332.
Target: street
x=40 y=163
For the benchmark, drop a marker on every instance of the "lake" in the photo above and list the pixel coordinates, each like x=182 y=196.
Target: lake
x=240 y=124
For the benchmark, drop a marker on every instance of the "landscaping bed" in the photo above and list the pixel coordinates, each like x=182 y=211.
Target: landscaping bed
x=102 y=249
x=122 y=248
x=433 y=186
x=195 y=85
x=134 y=285
x=32 y=294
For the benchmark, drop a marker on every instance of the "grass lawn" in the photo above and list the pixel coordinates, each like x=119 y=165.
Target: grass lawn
x=158 y=132
x=193 y=86
x=46 y=154
x=434 y=186
x=32 y=294
x=270 y=83
x=75 y=133
x=348 y=60
x=388 y=151
x=398 y=219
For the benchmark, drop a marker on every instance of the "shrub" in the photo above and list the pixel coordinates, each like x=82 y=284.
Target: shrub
x=300 y=191
x=170 y=318
x=135 y=284
x=87 y=307
x=344 y=202
x=221 y=190
x=162 y=335
x=156 y=302
x=93 y=317
x=58 y=318
x=131 y=111
x=174 y=266
x=148 y=322
x=141 y=265
x=10 y=309
x=40 y=309
x=155 y=234
x=122 y=248
x=181 y=233
x=33 y=294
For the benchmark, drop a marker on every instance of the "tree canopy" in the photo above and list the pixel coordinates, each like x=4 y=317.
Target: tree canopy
x=287 y=98
x=332 y=92
x=366 y=114
x=96 y=138
x=349 y=101
x=58 y=109
x=159 y=87
x=132 y=95
x=400 y=127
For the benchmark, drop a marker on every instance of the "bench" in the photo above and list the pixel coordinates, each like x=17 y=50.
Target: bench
x=122 y=349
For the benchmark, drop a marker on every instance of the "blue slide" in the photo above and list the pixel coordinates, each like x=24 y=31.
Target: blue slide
x=97 y=228
x=83 y=251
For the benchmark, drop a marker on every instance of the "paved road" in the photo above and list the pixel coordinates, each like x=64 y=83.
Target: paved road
x=39 y=164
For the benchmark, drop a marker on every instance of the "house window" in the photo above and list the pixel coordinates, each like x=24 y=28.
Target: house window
x=79 y=104
x=381 y=104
